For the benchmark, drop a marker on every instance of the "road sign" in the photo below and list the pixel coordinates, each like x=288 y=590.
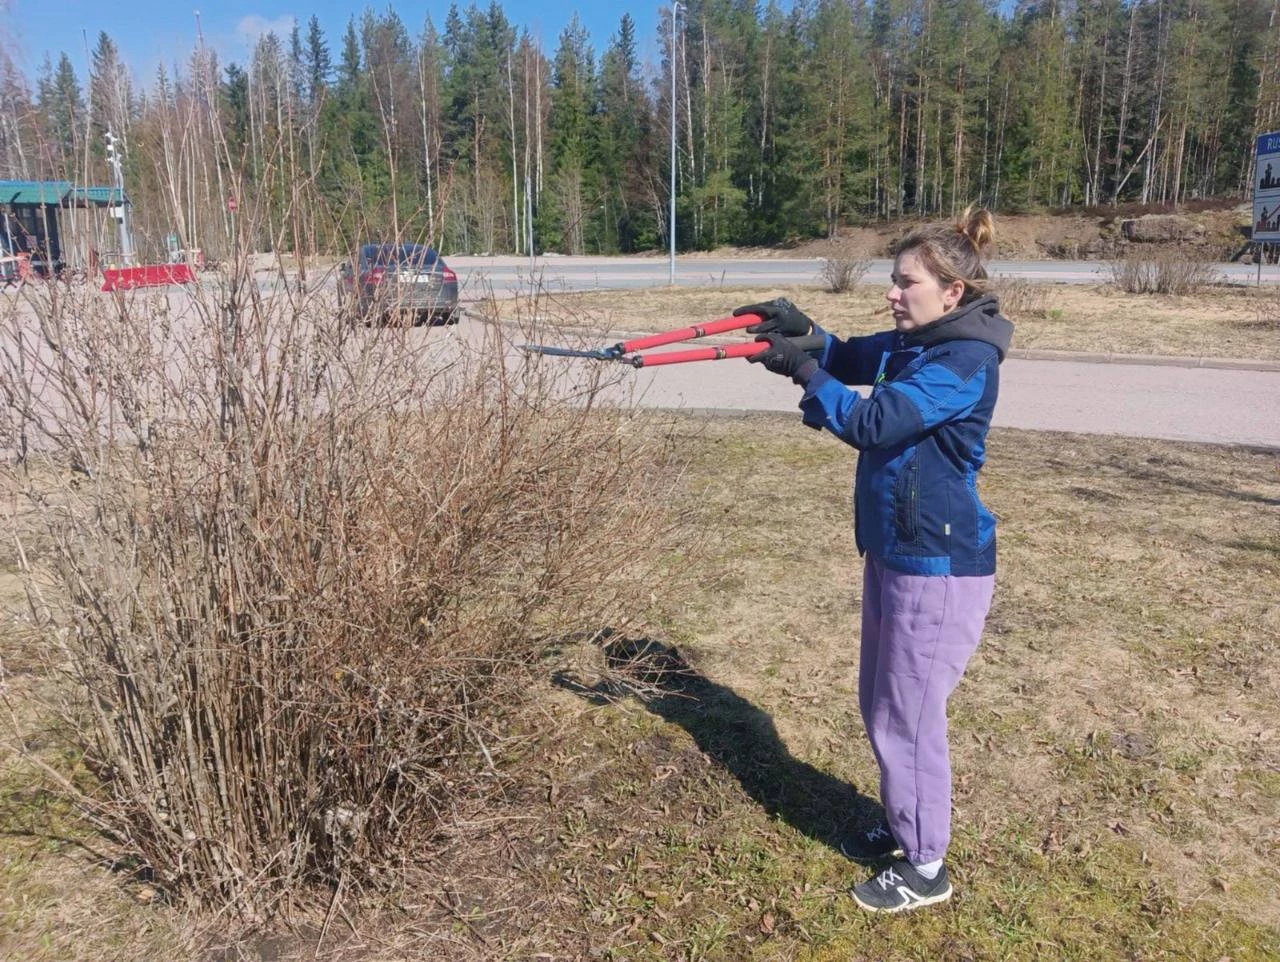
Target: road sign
x=1266 y=188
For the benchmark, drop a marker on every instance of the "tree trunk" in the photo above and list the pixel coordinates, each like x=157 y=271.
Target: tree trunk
x=1125 y=84
x=515 y=171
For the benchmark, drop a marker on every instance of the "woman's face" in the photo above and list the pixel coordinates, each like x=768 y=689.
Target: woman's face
x=917 y=297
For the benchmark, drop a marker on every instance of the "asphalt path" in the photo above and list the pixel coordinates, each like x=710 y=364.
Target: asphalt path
x=1133 y=400
x=1196 y=400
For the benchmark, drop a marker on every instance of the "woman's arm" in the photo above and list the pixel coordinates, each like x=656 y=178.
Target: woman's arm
x=945 y=389
x=857 y=360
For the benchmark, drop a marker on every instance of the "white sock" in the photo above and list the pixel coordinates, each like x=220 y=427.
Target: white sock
x=929 y=870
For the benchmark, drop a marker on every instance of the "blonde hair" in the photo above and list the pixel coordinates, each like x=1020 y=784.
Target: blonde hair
x=955 y=252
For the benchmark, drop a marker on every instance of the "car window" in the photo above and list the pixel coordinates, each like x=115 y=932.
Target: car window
x=391 y=255
x=416 y=255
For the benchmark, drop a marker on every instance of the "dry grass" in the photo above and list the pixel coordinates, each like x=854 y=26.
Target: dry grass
x=1113 y=740
x=1235 y=322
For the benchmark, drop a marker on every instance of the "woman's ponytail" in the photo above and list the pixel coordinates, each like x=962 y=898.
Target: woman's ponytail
x=977 y=224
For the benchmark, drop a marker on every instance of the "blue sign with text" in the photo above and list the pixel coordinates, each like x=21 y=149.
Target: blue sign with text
x=1266 y=188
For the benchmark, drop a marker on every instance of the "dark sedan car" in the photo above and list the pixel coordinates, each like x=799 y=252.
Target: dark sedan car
x=390 y=280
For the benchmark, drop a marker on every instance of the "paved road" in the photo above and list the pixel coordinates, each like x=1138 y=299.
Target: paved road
x=508 y=274
x=1134 y=399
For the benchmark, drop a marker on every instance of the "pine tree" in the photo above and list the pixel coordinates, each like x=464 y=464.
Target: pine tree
x=563 y=224
x=61 y=105
x=316 y=63
x=776 y=166
x=234 y=94
x=479 y=49
x=110 y=93
x=388 y=56
x=430 y=60
x=349 y=69
x=624 y=134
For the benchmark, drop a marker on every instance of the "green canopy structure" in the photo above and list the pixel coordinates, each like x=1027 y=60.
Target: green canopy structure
x=31 y=212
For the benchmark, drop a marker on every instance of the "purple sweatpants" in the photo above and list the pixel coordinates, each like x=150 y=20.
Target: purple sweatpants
x=918 y=632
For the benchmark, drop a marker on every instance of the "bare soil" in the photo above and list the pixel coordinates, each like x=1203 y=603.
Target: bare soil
x=1089 y=235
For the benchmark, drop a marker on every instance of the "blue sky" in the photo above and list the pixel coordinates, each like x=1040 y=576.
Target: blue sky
x=151 y=32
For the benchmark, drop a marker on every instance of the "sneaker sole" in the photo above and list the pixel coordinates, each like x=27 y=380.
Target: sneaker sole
x=918 y=903
x=893 y=853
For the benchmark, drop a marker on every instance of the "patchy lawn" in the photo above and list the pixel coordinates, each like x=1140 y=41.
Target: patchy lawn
x=1115 y=745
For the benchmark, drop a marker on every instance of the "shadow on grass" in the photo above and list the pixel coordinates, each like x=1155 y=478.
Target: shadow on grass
x=1154 y=476
x=734 y=734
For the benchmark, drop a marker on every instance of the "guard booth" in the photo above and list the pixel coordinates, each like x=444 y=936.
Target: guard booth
x=52 y=225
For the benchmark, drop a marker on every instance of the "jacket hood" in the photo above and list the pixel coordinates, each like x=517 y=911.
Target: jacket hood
x=979 y=320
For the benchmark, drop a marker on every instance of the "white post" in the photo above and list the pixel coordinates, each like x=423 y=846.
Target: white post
x=114 y=149
x=672 y=215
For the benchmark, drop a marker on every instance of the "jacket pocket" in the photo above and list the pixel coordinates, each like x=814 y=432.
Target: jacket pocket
x=906 y=503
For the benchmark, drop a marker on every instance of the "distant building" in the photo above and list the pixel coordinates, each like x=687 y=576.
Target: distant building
x=58 y=224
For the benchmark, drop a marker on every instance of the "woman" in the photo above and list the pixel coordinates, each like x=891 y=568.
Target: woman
x=928 y=540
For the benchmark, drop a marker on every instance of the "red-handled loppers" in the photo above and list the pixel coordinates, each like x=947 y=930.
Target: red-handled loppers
x=626 y=351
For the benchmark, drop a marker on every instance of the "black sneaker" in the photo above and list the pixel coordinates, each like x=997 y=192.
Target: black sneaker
x=900 y=888
x=872 y=845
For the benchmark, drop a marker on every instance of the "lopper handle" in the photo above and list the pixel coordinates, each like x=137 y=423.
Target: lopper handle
x=813 y=342
x=689 y=333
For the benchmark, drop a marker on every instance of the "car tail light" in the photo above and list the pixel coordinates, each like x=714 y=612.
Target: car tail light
x=448 y=275
x=374 y=275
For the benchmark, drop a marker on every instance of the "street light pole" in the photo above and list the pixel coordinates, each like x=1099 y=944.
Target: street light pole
x=115 y=150
x=675 y=5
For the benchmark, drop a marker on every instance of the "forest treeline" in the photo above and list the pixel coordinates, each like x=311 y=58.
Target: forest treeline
x=790 y=122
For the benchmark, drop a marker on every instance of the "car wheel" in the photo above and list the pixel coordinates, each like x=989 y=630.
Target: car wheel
x=421 y=317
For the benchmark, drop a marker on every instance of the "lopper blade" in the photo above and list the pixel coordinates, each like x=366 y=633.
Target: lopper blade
x=599 y=355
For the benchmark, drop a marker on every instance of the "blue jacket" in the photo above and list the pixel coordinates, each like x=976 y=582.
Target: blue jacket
x=922 y=436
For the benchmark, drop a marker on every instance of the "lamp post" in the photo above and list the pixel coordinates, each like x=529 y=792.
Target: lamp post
x=115 y=148
x=675 y=6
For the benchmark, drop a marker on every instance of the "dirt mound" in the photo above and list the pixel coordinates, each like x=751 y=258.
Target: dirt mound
x=1215 y=230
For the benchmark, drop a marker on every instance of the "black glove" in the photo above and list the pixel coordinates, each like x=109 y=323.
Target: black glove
x=784 y=357
x=779 y=315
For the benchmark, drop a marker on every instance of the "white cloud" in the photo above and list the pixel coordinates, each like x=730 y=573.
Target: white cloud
x=250 y=28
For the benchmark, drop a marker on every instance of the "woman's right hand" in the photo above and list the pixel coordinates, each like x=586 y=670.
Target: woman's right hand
x=778 y=315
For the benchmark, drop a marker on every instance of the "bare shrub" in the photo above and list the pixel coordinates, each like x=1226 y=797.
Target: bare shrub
x=1268 y=317
x=300 y=570
x=1021 y=298
x=1169 y=272
x=840 y=272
